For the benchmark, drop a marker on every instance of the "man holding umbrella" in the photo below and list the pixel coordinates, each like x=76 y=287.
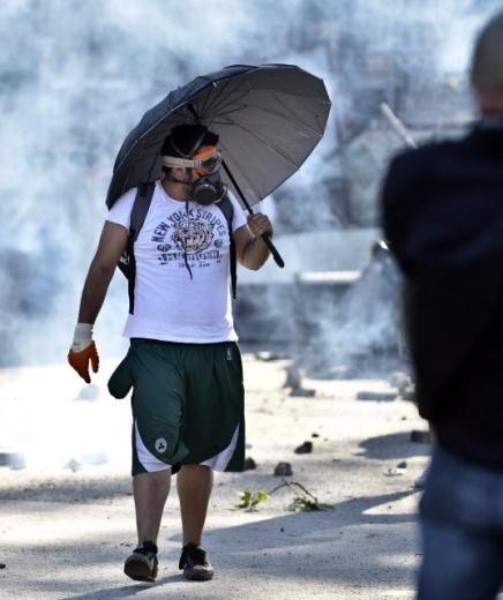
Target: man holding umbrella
x=242 y=130
x=183 y=362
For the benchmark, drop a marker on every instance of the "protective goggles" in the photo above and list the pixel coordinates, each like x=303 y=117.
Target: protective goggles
x=203 y=162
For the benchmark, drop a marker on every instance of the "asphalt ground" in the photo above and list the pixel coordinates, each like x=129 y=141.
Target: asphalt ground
x=67 y=516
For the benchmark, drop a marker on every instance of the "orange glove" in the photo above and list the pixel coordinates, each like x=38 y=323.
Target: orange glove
x=83 y=351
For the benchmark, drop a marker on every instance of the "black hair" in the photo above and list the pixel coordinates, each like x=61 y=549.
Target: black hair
x=185 y=140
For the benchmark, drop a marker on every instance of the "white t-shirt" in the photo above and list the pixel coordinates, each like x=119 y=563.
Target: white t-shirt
x=169 y=304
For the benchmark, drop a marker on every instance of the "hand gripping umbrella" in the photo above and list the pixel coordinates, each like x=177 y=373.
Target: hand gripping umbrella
x=269 y=119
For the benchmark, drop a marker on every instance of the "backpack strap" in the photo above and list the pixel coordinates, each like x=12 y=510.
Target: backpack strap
x=227 y=209
x=127 y=263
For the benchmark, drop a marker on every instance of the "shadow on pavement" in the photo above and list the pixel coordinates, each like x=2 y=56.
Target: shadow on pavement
x=358 y=540
x=127 y=591
x=393 y=446
x=353 y=540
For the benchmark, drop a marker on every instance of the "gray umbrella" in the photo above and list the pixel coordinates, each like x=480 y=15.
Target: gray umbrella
x=269 y=119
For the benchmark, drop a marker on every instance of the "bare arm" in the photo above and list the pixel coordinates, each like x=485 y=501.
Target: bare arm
x=112 y=244
x=251 y=250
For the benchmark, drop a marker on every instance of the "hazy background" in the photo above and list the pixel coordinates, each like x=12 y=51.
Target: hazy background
x=77 y=76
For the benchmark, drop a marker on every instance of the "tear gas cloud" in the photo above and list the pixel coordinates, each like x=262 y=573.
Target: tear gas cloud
x=77 y=76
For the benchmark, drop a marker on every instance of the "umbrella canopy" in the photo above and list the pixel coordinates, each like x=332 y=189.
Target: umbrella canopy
x=269 y=119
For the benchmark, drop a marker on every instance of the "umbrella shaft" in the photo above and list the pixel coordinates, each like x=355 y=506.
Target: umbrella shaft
x=275 y=254
x=238 y=189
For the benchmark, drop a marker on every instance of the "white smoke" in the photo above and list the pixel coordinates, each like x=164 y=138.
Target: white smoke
x=77 y=76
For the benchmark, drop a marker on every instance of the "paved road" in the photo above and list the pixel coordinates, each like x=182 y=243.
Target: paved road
x=64 y=534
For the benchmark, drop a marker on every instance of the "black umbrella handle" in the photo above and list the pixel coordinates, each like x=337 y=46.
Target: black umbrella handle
x=274 y=251
x=267 y=238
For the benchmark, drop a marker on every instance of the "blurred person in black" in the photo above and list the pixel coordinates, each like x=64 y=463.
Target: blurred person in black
x=442 y=208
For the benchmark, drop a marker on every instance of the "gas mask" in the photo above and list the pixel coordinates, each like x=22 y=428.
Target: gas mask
x=208 y=188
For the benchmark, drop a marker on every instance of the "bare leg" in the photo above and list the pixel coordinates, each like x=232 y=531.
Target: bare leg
x=194 y=483
x=150 y=493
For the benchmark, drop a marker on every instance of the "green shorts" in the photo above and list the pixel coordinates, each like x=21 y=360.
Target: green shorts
x=187 y=402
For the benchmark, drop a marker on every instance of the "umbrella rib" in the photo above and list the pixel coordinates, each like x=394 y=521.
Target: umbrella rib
x=220 y=101
x=283 y=103
x=276 y=150
x=306 y=127
x=222 y=111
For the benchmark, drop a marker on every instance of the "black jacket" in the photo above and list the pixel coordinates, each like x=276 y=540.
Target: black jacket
x=442 y=208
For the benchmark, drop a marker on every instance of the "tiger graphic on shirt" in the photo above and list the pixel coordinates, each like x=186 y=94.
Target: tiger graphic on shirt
x=197 y=234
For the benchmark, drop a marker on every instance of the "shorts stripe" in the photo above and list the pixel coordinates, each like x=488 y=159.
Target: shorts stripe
x=148 y=461
x=151 y=464
x=222 y=459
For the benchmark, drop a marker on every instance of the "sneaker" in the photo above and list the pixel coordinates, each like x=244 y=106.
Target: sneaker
x=141 y=565
x=195 y=564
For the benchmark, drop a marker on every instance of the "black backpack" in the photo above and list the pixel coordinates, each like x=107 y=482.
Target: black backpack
x=127 y=263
